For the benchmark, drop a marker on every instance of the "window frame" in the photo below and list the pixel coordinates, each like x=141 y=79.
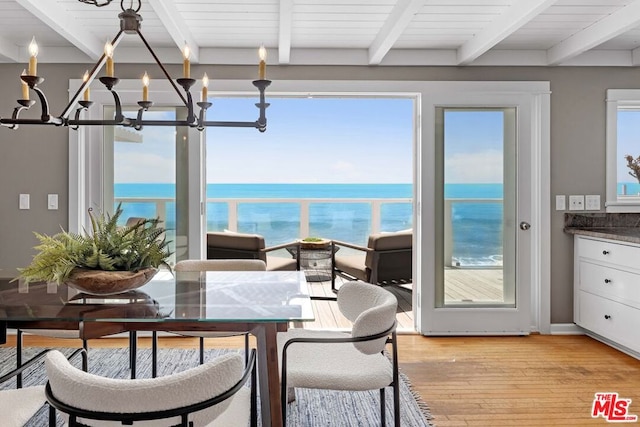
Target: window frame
x=617 y=98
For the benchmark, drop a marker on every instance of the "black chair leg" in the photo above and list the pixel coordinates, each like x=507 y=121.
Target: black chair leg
x=154 y=354
x=133 y=351
x=52 y=416
x=246 y=349
x=383 y=421
x=18 y=357
x=201 y=350
x=254 y=396
x=396 y=403
x=85 y=359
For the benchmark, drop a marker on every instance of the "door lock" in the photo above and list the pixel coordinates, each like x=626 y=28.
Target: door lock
x=525 y=226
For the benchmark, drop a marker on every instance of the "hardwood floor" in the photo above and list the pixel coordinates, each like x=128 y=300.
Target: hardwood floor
x=539 y=380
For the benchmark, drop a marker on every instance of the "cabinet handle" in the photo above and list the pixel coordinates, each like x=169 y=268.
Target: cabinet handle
x=606 y=316
x=607 y=280
x=605 y=252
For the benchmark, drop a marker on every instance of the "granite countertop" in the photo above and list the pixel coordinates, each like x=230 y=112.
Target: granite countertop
x=624 y=234
x=621 y=227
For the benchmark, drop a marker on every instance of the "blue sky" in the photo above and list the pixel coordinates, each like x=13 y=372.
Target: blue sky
x=628 y=142
x=319 y=140
x=473 y=146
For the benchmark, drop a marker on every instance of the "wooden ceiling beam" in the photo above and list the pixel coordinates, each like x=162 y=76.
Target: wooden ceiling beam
x=399 y=18
x=506 y=24
x=176 y=27
x=54 y=15
x=284 y=35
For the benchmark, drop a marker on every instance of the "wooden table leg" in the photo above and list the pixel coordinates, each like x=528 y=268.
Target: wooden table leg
x=268 y=374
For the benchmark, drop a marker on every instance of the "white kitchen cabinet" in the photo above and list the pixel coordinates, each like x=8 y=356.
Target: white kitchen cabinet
x=607 y=291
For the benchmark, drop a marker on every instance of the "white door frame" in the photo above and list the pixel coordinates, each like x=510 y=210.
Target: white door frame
x=535 y=97
x=423 y=92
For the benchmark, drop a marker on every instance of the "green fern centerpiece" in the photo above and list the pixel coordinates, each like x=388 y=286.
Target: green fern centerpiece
x=133 y=250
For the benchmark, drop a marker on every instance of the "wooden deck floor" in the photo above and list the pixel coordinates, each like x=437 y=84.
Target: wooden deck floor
x=477 y=285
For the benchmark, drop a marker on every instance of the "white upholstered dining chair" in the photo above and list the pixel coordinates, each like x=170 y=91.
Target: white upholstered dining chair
x=352 y=361
x=18 y=406
x=212 y=395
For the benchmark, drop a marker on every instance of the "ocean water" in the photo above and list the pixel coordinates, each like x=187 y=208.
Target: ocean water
x=477 y=227
x=629 y=188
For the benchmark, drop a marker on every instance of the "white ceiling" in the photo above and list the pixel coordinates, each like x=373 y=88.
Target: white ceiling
x=334 y=32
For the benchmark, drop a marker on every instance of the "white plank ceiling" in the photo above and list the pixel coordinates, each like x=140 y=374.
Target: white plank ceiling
x=333 y=32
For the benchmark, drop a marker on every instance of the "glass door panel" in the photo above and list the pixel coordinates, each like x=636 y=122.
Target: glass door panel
x=477 y=195
x=146 y=171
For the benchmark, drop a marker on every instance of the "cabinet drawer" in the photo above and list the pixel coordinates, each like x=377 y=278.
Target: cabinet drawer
x=614 y=253
x=612 y=320
x=619 y=285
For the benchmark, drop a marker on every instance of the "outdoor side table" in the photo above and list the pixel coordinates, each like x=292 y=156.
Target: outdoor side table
x=315 y=260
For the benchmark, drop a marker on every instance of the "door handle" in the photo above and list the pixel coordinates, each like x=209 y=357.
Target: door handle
x=524 y=225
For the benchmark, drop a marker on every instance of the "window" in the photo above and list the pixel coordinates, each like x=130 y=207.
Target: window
x=623 y=151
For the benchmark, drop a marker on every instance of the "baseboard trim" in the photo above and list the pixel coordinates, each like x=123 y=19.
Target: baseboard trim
x=566 y=329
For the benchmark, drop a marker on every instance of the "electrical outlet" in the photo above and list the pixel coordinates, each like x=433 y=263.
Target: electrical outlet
x=592 y=202
x=561 y=202
x=576 y=203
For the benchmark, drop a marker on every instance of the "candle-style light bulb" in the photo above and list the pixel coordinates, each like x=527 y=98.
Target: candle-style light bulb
x=262 y=68
x=25 y=87
x=33 y=62
x=108 y=51
x=87 y=92
x=205 y=87
x=145 y=87
x=186 y=65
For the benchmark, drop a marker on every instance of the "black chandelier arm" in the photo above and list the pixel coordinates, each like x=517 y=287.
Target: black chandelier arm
x=164 y=70
x=186 y=84
x=144 y=106
x=219 y=124
x=84 y=105
x=44 y=104
x=204 y=105
x=109 y=83
x=262 y=85
x=25 y=104
x=94 y=71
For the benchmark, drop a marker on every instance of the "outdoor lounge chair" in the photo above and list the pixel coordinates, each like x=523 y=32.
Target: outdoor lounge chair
x=231 y=245
x=386 y=260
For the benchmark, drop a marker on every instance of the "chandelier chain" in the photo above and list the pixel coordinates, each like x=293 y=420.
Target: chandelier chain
x=97 y=3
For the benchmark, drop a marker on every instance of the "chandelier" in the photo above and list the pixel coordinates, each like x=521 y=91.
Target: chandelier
x=129 y=24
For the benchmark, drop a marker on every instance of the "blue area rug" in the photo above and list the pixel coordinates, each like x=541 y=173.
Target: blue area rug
x=311 y=408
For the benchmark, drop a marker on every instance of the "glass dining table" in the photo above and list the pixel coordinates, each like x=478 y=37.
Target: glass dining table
x=258 y=302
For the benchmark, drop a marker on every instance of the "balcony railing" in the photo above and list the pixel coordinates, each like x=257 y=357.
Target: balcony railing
x=283 y=220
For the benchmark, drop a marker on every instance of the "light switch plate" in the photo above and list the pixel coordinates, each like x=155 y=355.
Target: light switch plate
x=561 y=202
x=52 y=202
x=24 y=201
x=576 y=203
x=592 y=202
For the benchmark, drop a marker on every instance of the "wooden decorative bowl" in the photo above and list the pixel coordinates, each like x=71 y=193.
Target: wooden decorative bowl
x=100 y=282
